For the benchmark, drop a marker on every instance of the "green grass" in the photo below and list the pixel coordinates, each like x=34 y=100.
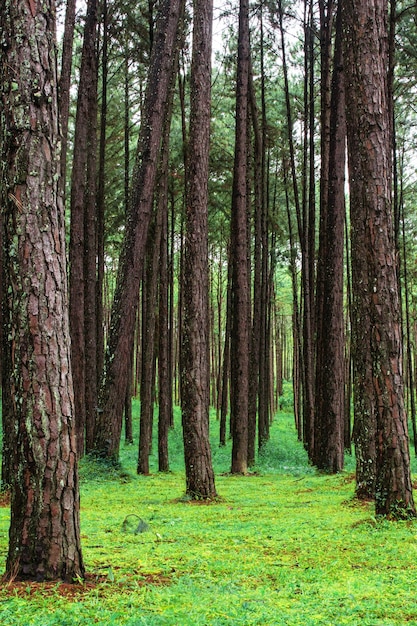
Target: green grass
x=284 y=545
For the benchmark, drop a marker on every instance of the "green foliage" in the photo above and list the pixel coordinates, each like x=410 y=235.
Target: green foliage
x=282 y=546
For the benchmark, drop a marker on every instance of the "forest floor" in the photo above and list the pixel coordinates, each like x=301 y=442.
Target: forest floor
x=282 y=546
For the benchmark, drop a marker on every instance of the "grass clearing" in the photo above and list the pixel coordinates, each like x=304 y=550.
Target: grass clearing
x=285 y=545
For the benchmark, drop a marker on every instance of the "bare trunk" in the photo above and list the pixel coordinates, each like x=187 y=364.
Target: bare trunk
x=239 y=370
x=195 y=375
x=373 y=256
x=44 y=530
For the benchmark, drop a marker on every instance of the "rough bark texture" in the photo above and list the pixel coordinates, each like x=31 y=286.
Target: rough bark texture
x=377 y=339
x=44 y=530
x=195 y=375
x=112 y=388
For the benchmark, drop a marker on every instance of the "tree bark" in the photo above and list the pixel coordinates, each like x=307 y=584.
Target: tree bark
x=44 y=529
x=195 y=360
x=375 y=286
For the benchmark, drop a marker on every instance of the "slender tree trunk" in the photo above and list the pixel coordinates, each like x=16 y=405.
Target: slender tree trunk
x=376 y=302
x=113 y=385
x=164 y=362
x=164 y=358
x=100 y=227
x=224 y=403
x=44 y=536
x=263 y=377
x=306 y=357
x=149 y=322
x=239 y=349
x=255 y=339
x=64 y=88
x=330 y=365
x=195 y=374
x=82 y=211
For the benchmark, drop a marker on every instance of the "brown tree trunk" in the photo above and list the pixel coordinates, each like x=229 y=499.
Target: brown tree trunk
x=304 y=225
x=195 y=375
x=100 y=227
x=164 y=360
x=83 y=218
x=44 y=530
x=239 y=347
x=149 y=321
x=255 y=336
x=330 y=365
x=111 y=397
x=65 y=86
x=375 y=287
x=164 y=343
x=224 y=400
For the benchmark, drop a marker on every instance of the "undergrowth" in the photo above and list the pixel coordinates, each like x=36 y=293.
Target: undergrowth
x=284 y=545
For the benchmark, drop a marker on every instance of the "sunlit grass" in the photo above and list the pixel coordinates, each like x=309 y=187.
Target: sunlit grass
x=284 y=545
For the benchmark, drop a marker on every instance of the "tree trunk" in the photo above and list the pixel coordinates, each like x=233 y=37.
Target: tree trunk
x=82 y=209
x=195 y=386
x=147 y=391
x=44 y=530
x=239 y=347
x=100 y=227
x=112 y=388
x=255 y=337
x=376 y=303
x=330 y=365
x=64 y=88
x=224 y=400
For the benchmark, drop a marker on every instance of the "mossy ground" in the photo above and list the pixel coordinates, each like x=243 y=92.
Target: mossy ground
x=285 y=545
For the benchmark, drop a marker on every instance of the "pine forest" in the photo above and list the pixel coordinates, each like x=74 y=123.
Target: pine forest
x=208 y=318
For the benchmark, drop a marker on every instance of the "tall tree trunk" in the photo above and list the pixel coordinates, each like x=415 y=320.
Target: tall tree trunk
x=149 y=321
x=306 y=359
x=113 y=385
x=195 y=374
x=164 y=356
x=64 y=88
x=263 y=377
x=82 y=204
x=375 y=286
x=239 y=347
x=224 y=400
x=164 y=360
x=255 y=338
x=44 y=529
x=99 y=326
x=330 y=364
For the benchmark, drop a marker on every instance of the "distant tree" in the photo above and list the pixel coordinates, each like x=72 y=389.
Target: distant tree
x=65 y=85
x=195 y=375
x=381 y=422
x=239 y=347
x=44 y=529
x=82 y=248
x=330 y=365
